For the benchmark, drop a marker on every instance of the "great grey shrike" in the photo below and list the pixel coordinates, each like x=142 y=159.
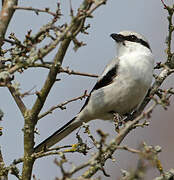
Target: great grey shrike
x=120 y=89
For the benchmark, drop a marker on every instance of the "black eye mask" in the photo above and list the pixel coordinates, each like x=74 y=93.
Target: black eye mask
x=131 y=38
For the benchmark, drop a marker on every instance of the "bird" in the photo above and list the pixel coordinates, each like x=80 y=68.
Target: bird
x=120 y=89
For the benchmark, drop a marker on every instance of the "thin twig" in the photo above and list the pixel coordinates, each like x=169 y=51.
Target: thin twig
x=132 y=150
x=78 y=168
x=15 y=42
x=36 y=10
x=91 y=10
x=68 y=71
x=62 y=105
x=17 y=99
x=5 y=17
x=164 y=4
x=96 y=163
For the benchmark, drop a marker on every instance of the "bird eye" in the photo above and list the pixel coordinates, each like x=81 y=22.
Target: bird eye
x=133 y=37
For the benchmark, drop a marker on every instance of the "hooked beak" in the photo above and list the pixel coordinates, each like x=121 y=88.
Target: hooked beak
x=117 y=37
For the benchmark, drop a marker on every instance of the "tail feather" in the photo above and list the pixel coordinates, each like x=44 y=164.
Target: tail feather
x=58 y=135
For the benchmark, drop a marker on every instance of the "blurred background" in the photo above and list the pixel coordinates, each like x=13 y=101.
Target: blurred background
x=146 y=17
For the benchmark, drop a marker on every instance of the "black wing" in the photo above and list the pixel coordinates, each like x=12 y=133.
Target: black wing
x=104 y=81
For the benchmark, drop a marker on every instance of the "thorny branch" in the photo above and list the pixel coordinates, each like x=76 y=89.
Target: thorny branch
x=27 y=54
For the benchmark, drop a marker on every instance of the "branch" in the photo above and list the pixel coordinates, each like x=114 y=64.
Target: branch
x=78 y=168
x=170 y=30
x=36 y=10
x=17 y=99
x=5 y=17
x=48 y=65
x=62 y=105
x=96 y=5
x=132 y=150
x=3 y=171
x=98 y=161
x=166 y=71
x=15 y=42
x=32 y=115
x=68 y=71
x=148 y=157
x=72 y=29
x=168 y=175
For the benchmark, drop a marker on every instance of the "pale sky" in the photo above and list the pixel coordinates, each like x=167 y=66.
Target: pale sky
x=146 y=17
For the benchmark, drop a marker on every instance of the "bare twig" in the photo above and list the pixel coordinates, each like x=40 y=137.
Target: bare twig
x=33 y=57
x=96 y=163
x=47 y=65
x=15 y=42
x=164 y=4
x=170 y=30
x=17 y=161
x=36 y=10
x=132 y=150
x=57 y=148
x=78 y=168
x=62 y=105
x=3 y=171
x=27 y=93
x=68 y=71
x=168 y=175
x=17 y=98
x=32 y=115
x=93 y=8
x=5 y=17
x=40 y=154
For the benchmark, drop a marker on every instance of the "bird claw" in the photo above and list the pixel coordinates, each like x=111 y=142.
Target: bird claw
x=118 y=121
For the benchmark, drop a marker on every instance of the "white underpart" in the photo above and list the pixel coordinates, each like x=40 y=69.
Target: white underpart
x=124 y=94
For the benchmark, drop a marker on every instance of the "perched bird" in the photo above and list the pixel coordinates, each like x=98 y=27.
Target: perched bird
x=120 y=89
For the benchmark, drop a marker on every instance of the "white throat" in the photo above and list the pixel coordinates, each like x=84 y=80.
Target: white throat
x=131 y=47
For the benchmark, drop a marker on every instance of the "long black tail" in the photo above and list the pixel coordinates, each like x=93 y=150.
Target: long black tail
x=59 y=134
